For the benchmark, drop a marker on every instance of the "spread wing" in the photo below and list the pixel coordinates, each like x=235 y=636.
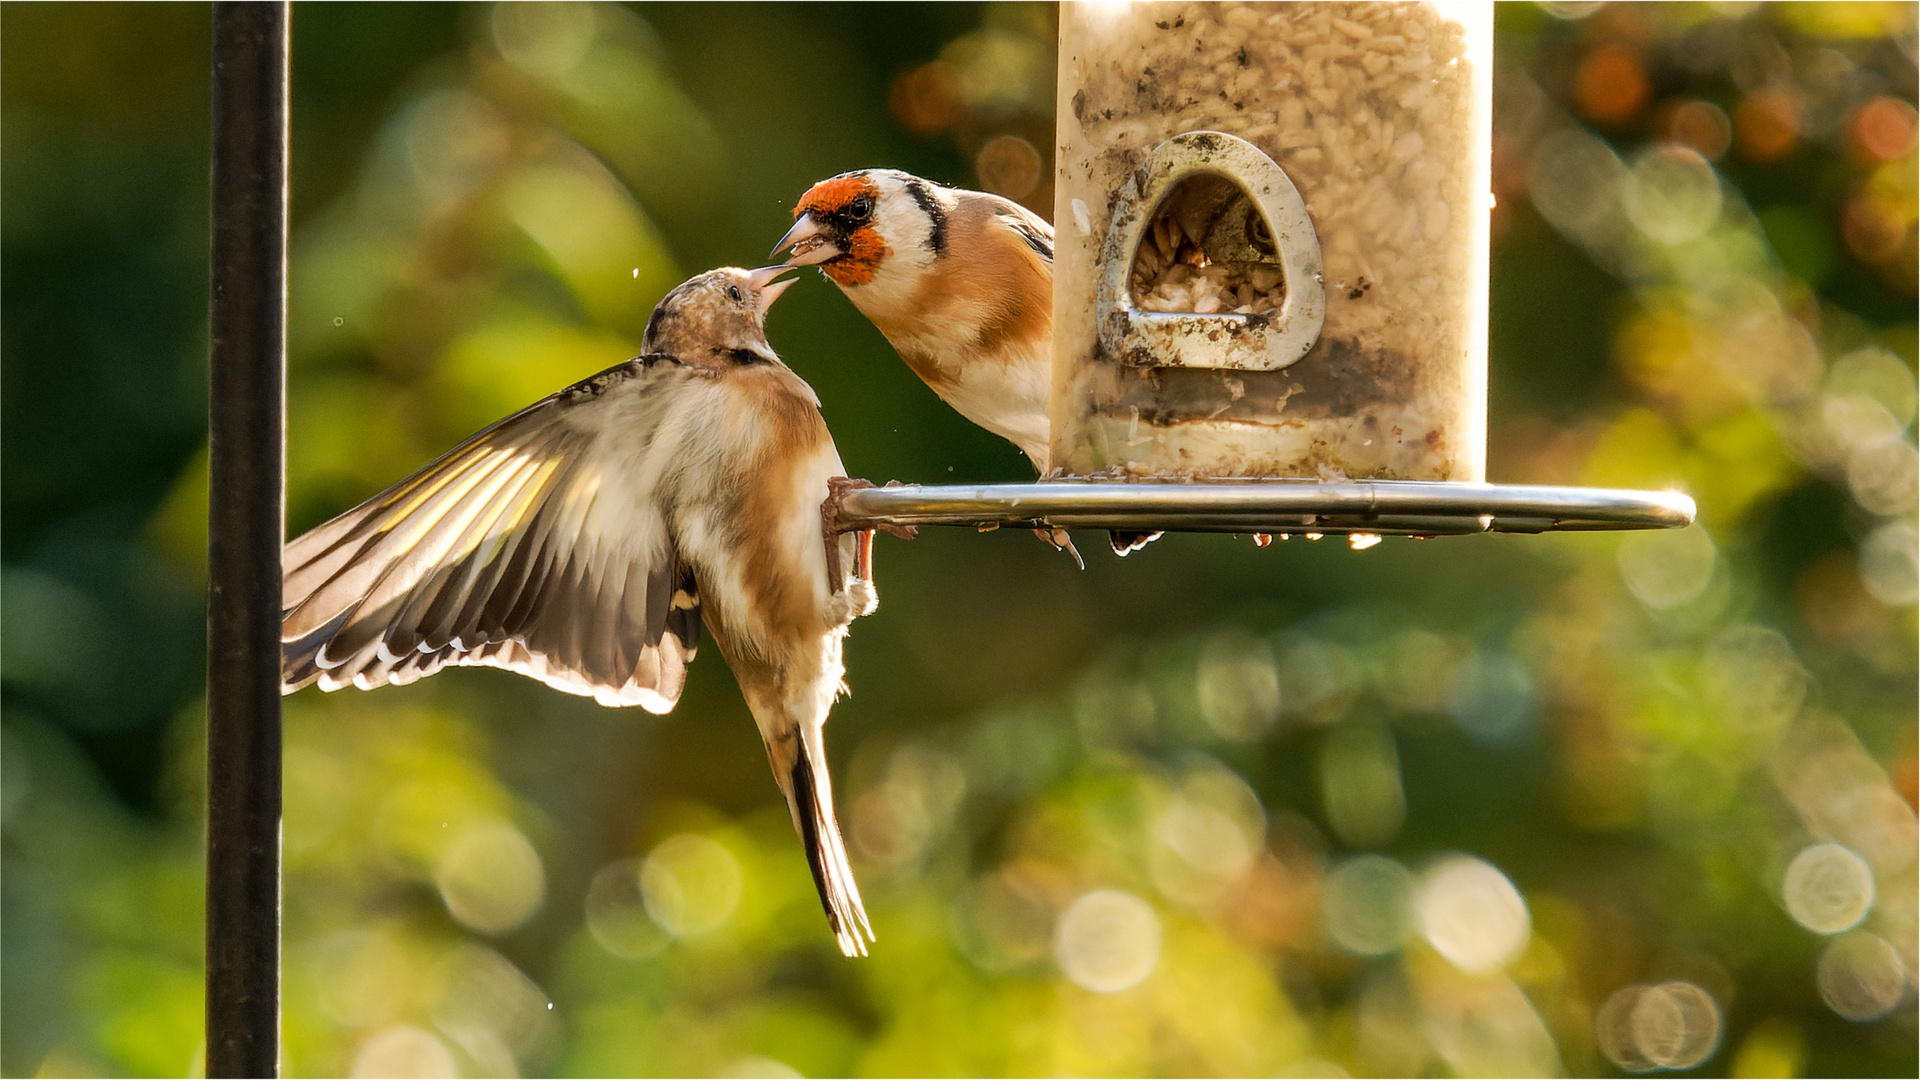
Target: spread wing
x=536 y=546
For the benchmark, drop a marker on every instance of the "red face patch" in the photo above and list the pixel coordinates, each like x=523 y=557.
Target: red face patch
x=828 y=196
x=864 y=245
x=865 y=249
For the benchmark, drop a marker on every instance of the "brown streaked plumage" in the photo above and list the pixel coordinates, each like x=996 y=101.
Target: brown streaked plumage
x=583 y=540
x=960 y=283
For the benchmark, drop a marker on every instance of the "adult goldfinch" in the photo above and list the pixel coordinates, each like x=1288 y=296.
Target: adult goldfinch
x=959 y=282
x=583 y=541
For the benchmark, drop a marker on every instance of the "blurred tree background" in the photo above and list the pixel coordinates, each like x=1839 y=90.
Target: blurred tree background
x=1512 y=805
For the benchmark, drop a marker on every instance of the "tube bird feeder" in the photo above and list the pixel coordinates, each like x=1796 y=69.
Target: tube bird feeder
x=1270 y=283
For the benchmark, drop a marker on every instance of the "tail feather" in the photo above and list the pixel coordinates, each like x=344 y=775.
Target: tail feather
x=811 y=796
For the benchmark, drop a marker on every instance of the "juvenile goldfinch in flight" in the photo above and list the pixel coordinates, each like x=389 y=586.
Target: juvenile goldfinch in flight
x=583 y=540
x=959 y=282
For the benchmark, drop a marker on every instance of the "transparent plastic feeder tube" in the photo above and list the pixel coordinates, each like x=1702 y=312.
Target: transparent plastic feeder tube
x=1380 y=117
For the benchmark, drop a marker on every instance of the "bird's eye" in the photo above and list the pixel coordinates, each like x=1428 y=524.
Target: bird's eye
x=733 y=293
x=861 y=207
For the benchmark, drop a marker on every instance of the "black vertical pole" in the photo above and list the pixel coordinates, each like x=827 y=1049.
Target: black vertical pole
x=246 y=451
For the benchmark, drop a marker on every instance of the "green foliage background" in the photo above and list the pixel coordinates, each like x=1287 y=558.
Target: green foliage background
x=1639 y=733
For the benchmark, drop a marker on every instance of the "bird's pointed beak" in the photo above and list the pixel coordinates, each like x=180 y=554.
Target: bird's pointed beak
x=767 y=288
x=810 y=242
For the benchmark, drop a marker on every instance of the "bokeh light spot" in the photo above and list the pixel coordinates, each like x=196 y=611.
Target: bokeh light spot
x=690 y=885
x=1672 y=195
x=1890 y=563
x=1001 y=69
x=1699 y=125
x=1671 y=1025
x=1676 y=1025
x=1613 y=1030
x=1492 y=697
x=927 y=99
x=1753 y=681
x=1878 y=375
x=1360 y=784
x=1610 y=86
x=1884 y=475
x=1004 y=920
x=453 y=141
x=898 y=818
x=491 y=878
x=491 y=1009
x=1666 y=568
x=1575 y=181
x=1828 y=888
x=1318 y=680
x=404 y=1051
x=1368 y=905
x=1207 y=836
x=1773 y=1048
x=1107 y=941
x=1417 y=669
x=1238 y=688
x=1872 y=229
x=1861 y=976
x=617 y=913
x=1471 y=914
x=1882 y=129
x=1766 y=126
x=1008 y=165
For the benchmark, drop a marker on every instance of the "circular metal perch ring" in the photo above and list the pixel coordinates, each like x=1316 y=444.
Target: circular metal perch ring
x=1384 y=507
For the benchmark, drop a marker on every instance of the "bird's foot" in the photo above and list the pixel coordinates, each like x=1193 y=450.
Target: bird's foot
x=1060 y=541
x=837 y=488
x=832 y=525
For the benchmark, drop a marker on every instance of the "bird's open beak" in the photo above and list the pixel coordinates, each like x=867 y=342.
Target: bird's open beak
x=811 y=243
x=766 y=289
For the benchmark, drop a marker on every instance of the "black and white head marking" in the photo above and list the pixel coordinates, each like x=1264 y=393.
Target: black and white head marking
x=922 y=193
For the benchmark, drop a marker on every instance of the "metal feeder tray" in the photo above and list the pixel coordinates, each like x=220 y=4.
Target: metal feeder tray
x=1270 y=506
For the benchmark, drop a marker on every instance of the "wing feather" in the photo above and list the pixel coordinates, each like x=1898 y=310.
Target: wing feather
x=435 y=620
x=349 y=565
x=528 y=547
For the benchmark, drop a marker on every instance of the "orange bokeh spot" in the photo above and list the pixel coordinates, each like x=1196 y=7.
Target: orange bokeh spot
x=1699 y=125
x=1766 y=126
x=1610 y=87
x=927 y=100
x=1873 y=231
x=1882 y=129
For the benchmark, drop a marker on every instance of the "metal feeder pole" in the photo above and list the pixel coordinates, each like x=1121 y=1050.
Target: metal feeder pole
x=246 y=452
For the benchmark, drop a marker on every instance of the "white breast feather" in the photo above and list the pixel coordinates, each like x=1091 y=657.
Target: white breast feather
x=1009 y=400
x=1005 y=392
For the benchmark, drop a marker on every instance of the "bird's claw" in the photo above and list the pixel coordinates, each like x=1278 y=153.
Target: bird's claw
x=1060 y=541
x=833 y=525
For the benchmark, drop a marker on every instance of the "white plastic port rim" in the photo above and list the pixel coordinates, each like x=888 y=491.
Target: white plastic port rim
x=1180 y=339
